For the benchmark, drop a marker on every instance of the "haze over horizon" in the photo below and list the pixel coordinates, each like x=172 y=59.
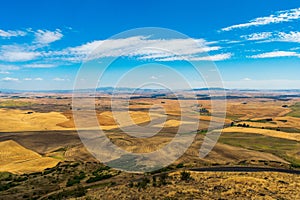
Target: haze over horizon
x=255 y=45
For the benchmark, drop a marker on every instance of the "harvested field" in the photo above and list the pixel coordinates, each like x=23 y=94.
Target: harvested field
x=17 y=159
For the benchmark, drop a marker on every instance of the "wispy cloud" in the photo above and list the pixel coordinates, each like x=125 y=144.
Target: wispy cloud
x=10 y=79
x=46 y=36
x=217 y=57
x=257 y=36
x=41 y=55
x=10 y=33
x=278 y=17
x=32 y=79
x=292 y=36
x=289 y=37
x=61 y=79
x=275 y=54
x=5 y=69
x=18 y=56
x=141 y=48
x=39 y=65
x=153 y=77
x=17 y=53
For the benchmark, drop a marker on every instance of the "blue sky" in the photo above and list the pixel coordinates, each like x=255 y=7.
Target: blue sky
x=254 y=44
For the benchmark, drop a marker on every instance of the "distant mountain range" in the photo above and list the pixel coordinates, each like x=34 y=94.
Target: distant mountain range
x=110 y=90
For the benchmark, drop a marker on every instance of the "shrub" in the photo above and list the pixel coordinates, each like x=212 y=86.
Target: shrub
x=78 y=192
x=130 y=184
x=180 y=165
x=185 y=176
x=76 y=179
x=98 y=178
x=163 y=179
x=72 y=182
x=143 y=183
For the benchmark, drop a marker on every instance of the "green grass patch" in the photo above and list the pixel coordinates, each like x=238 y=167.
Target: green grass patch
x=58 y=157
x=283 y=148
x=6 y=176
x=295 y=110
x=13 y=103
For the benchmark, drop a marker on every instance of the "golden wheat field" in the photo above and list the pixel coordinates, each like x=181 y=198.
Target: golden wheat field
x=17 y=159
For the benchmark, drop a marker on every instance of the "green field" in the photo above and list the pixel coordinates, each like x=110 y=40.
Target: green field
x=12 y=104
x=283 y=148
x=295 y=110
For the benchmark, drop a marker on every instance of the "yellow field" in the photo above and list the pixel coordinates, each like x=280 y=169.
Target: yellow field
x=20 y=120
x=267 y=132
x=17 y=159
x=256 y=109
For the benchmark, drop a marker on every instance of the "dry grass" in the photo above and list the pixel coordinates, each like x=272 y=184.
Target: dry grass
x=267 y=132
x=211 y=185
x=291 y=121
x=173 y=123
x=256 y=108
x=19 y=120
x=17 y=159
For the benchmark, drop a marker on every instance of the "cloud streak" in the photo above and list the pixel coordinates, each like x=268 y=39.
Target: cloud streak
x=142 y=48
x=276 y=54
x=292 y=36
x=47 y=37
x=10 y=33
x=278 y=17
x=258 y=36
x=10 y=79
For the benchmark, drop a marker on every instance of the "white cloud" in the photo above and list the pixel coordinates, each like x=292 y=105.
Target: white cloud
x=289 y=37
x=32 y=79
x=278 y=17
x=247 y=79
x=9 y=67
x=46 y=36
x=232 y=41
x=292 y=36
x=275 y=54
x=10 y=33
x=39 y=65
x=217 y=57
x=139 y=47
x=29 y=51
x=10 y=79
x=153 y=78
x=60 y=79
x=257 y=36
x=17 y=53
x=18 y=56
x=295 y=49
